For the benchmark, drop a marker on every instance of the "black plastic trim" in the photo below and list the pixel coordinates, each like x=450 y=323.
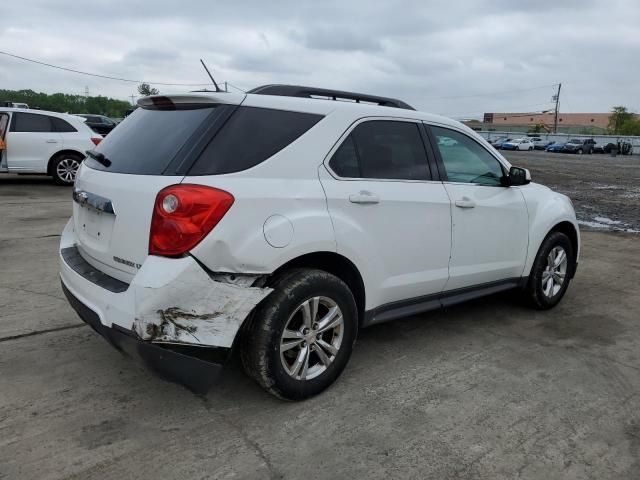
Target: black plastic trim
x=72 y=257
x=404 y=308
x=170 y=364
x=310 y=92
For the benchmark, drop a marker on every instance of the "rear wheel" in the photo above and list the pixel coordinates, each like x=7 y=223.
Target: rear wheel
x=549 y=278
x=579 y=151
x=301 y=336
x=65 y=167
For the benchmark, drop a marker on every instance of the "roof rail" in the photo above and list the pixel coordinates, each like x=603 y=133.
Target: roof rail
x=312 y=92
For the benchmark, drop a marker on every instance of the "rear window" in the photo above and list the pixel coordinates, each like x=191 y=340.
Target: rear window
x=149 y=139
x=251 y=136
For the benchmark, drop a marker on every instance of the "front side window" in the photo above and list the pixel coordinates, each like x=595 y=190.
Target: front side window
x=465 y=160
x=382 y=149
x=31 y=122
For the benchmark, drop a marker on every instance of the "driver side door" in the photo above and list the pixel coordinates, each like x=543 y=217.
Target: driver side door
x=490 y=224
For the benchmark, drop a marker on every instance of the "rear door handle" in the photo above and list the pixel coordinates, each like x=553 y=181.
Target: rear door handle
x=51 y=140
x=465 y=203
x=364 y=198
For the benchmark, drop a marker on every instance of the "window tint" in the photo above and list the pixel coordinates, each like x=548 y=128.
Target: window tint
x=60 y=125
x=30 y=122
x=345 y=160
x=465 y=160
x=151 y=139
x=249 y=137
x=382 y=149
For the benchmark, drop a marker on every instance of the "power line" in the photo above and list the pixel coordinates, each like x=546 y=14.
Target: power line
x=492 y=93
x=497 y=110
x=108 y=77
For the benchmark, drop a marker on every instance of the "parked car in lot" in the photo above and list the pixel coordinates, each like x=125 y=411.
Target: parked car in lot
x=50 y=143
x=99 y=123
x=577 y=145
x=280 y=225
x=497 y=143
x=518 y=144
x=539 y=143
x=555 y=147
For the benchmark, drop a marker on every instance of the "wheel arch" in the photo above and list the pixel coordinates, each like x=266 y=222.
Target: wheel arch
x=570 y=231
x=66 y=151
x=337 y=265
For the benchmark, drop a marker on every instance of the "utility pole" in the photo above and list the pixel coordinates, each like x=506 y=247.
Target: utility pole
x=86 y=91
x=133 y=99
x=556 y=97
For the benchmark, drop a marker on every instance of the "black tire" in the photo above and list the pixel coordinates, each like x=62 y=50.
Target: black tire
x=534 y=291
x=530 y=148
x=579 y=151
x=59 y=170
x=262 y=335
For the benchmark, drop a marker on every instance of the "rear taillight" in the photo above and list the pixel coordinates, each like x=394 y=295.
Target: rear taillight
x=96 y=140
x=183 y=215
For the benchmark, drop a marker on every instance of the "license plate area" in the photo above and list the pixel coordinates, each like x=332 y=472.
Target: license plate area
x=94 y=227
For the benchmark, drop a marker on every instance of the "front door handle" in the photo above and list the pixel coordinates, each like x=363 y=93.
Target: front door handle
x=465 y=203
x=51 y=140
x=364 y=198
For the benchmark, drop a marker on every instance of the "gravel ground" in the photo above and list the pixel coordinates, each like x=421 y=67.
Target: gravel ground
x=605 y=190
x=489 y=389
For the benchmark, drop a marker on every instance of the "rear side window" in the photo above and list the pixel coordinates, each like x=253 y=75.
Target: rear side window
x=251 y=136
x=31 y=122
x=382 y=149
x=150 y=139
x=60 y=125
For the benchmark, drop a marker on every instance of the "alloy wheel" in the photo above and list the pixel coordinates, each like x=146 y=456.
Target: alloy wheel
x=67 y=169
x=311 y=338
x=554 y=274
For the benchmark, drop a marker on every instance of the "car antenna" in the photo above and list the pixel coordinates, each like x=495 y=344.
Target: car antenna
x=218 y=89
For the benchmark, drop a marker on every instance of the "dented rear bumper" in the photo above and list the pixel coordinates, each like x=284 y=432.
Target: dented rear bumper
x=173 y=314
x=196 y=374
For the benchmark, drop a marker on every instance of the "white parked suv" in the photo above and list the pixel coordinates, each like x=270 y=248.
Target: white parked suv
x=281 y=222
x=37 y=141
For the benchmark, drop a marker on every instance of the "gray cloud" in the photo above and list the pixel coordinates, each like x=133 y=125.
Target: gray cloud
x=457 y=58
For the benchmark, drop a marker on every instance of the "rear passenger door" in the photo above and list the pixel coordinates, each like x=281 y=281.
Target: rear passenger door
x=388 y=214
x=31 y=142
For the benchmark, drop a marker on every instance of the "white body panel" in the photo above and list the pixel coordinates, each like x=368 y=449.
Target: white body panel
x=490 y=234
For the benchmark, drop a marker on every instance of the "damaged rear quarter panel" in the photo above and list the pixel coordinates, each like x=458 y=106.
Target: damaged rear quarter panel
x=189 y=306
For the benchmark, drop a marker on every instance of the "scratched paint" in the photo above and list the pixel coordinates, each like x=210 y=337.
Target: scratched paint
x=195 y=309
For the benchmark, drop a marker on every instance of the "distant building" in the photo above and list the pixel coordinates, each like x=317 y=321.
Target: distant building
x=598 y=121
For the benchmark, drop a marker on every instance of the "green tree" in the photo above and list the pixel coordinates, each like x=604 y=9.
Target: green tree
x=618 y=118
x=145 y=90
x=65 y=103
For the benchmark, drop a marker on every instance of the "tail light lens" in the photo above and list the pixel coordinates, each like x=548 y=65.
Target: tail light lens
x=96 y=140
x=183 y=215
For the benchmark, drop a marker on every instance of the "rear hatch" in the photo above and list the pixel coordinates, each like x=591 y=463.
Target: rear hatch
x=116 y=187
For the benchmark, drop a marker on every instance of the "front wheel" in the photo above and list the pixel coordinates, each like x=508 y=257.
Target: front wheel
x=551 y=271
x=579 y=151
x=65 y=168
x=300 y=337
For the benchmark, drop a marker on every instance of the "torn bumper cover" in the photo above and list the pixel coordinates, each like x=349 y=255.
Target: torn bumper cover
x=194 y=373
x=176 y=317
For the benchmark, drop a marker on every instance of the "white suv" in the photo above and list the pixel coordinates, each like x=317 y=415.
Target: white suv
x=36 y=141
x=281 y=222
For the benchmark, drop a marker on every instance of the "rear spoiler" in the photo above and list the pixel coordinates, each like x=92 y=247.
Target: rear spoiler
x=172 y=102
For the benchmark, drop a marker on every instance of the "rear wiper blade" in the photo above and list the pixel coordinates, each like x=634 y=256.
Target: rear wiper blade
x=99 y=157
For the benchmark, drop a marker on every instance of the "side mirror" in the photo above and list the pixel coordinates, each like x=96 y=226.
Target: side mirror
x=517 y=176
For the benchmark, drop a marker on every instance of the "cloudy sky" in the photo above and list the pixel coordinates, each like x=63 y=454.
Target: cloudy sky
x=459 y=58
